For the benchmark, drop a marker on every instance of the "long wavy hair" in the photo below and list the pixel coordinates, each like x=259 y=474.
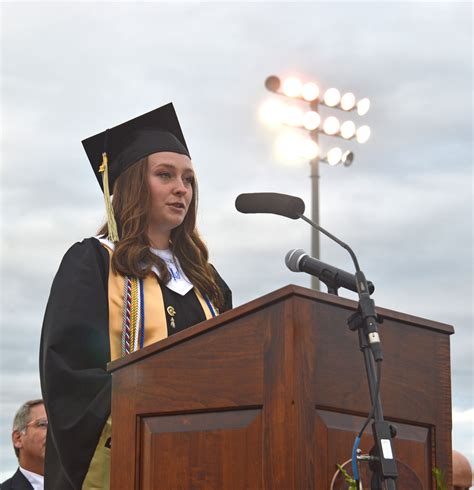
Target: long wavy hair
x=132 y=255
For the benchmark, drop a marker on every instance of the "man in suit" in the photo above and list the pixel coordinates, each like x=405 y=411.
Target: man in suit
x=29 y=439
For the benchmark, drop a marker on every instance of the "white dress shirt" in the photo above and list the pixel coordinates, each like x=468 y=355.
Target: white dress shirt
x=37 y=481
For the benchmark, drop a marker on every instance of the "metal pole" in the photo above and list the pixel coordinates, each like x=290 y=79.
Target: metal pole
x=315 y=213
x=314 y=175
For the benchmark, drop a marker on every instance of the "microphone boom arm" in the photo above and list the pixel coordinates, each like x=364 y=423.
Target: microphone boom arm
x=335 y=239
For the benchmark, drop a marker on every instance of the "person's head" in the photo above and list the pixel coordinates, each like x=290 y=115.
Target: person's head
x=146 y=166
x=29 y=435
x=156 y=199
x=155 y=205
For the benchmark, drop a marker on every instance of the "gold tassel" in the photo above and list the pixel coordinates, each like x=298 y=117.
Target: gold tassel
x=111 y=223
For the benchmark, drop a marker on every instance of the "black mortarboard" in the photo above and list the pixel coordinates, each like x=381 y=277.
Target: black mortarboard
x=114 y=150
x=125 y=144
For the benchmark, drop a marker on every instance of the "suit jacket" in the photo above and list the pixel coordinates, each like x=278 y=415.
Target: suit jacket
x=17 y=482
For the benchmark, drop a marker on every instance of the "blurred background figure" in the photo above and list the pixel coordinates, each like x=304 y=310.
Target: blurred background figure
x=462 y=472
x=29 y=438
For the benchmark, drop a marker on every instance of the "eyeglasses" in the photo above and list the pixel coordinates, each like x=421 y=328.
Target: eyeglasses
x=40 y=423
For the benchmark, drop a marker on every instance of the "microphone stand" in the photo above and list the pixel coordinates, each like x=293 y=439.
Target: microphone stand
x=383 y=463
x=364 y=320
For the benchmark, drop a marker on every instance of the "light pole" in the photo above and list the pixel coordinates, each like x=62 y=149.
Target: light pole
x=314 y=176
x=291 y=115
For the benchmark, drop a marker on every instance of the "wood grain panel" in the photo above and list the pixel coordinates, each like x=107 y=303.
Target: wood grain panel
x=279 y=412
x=412 y=446
x=304 y=340
x=218 y=369
x=409 y=382
x=211 y=451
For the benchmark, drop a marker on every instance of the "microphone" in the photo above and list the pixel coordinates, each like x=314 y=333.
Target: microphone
x=270 y=202
x=297 y=260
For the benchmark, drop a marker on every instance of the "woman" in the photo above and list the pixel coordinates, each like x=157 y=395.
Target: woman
x=145 y=277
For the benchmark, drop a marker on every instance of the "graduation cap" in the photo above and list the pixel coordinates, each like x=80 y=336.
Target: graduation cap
x=116 y=149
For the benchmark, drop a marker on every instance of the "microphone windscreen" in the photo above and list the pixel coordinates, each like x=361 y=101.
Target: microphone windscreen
x=270 y=202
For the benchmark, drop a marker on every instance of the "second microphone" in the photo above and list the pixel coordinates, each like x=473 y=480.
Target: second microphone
x=298 y=260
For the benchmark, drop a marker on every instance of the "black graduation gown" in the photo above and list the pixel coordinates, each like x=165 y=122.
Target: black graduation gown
x=74 y=353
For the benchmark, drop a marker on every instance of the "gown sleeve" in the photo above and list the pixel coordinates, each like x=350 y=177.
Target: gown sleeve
x=226 y=292
x=74 y=352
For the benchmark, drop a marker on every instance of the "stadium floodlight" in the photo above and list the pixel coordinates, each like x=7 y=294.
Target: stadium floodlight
x=334 y=155
x=293 y=116
x=331 y=125
x=332 y=97
x=363 y=134
x=311 y=120
x=272 y=83
x=348 y=101
x=292 y=87
x=310 y=91
x=348 y=130
x=347 y=158
x=309 y=149
x=363 y=106
x=293 y=148
x=287 y=144
x=271 y=113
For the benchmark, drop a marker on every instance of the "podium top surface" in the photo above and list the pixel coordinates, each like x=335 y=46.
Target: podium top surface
x=256 y=304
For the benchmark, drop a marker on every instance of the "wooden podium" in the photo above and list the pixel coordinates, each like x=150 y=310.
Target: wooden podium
x=271 y=395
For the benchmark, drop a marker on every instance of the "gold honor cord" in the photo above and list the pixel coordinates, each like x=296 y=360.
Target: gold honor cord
x=111 y=223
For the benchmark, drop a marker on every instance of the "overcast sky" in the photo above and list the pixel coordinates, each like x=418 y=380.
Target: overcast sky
x=72 y=69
